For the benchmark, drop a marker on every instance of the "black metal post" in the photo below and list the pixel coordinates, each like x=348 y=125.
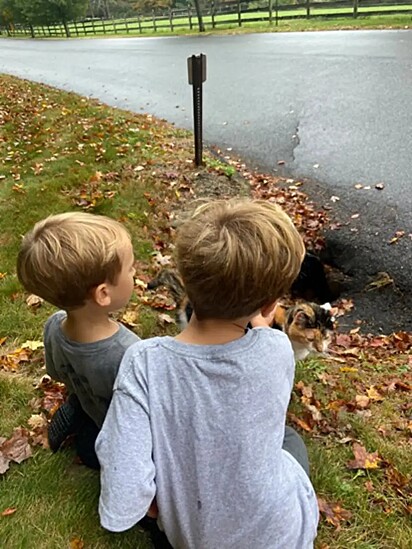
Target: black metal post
x=197 y=75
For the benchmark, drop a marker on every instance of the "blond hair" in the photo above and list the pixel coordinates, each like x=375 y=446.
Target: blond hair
x=237 y=256
x=64 y=256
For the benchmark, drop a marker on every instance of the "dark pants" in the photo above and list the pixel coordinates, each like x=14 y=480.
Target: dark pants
x=293 y=443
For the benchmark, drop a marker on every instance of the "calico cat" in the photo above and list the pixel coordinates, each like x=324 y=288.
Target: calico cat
x=308 y=325
x=172 y=281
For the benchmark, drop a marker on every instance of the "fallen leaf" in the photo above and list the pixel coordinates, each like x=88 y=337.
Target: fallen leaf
x=9 y=511
x=382 y=279
x=34 y=301
x=333 y=513
x=300 y=422
x=4 y=464
x=362 y=401
x=373 y=394
x=163 y=317
x=17 y=447
x=363 y=459
x=76 y=543
x=130 y=318
x=398 y=235
x=32 y=345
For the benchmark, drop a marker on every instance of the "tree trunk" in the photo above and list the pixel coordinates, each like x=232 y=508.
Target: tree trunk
x=199 y=15
x=66 y=28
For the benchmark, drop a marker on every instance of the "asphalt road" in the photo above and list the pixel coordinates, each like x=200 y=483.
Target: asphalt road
x=334 y=106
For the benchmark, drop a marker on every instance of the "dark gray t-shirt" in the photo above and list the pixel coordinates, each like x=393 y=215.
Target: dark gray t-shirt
x=202 y=427
x=87 y=369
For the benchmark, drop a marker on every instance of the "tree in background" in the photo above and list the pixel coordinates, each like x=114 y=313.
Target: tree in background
x=10 y=14
x=199 y=15
x=46 y=12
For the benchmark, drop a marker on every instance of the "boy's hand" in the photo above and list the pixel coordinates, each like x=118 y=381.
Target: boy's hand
x=153 y=511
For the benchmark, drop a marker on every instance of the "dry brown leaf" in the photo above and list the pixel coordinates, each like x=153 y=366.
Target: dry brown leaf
x=333 y=513
x=17 y=447
x=363 y=459
x=166 y=319
x=300 y=422
x=4 y=463
x=34 y=301
x=362 y=401
x=130 y=318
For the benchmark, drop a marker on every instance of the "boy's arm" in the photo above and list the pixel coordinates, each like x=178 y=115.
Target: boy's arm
x=50 y=368
x=124 y=449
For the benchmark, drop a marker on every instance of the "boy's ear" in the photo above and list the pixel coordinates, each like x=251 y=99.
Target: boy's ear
x=101 y=295
x=268 y=311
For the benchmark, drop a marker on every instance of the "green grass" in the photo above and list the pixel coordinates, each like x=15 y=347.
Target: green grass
x=57 y=148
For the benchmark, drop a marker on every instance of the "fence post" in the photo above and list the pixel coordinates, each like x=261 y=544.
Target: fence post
x=212 y=11
x=270 y=9
x=189 y=14
x=154 y=21
x=277 y=12
x=32 y=31
x=355 y=8
x=104 y=26
x=308 y=9
x=126 y=25
x=140 y=24
x=239 y=13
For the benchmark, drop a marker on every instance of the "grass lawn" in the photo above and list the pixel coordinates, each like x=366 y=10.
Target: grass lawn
x=61 y=152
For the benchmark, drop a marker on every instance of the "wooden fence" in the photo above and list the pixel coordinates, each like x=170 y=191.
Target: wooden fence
x=231 y=13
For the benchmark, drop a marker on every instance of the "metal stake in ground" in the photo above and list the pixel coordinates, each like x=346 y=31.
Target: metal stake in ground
x=196 y=67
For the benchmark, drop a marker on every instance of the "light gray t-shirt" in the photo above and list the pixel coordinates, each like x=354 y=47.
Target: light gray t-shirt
x=202 y=427
x=87 y=369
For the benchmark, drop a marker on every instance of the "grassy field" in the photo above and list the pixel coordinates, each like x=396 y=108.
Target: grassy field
x=61 y=152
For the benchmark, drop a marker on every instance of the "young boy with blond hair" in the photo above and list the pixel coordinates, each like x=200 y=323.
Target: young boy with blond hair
x=84 y=265
x=199 y=419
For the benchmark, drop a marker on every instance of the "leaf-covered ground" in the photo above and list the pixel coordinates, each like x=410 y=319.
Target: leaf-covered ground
x=61 y=152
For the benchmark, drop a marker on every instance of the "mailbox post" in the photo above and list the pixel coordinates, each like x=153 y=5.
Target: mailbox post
x=196 y=67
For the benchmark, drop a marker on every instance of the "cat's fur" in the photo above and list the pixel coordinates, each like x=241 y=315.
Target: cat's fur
x=172 y=281
x=308 y=325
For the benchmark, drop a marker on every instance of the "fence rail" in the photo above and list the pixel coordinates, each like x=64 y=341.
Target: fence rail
x=179 y=19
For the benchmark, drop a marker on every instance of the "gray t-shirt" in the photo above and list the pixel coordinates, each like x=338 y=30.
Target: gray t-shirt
x=202 y=427
x=87 y=369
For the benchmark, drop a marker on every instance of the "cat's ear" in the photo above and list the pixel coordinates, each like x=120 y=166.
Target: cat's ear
x=300 y=318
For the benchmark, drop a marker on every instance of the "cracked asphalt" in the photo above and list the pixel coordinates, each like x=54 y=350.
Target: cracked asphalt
x=335 y=107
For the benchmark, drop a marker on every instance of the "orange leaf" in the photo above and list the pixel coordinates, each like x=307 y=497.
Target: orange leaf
x=8 y=511
x=76 y=543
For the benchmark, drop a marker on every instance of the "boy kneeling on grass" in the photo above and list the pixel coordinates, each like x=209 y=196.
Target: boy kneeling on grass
x=83 y=264
x=199 y=420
